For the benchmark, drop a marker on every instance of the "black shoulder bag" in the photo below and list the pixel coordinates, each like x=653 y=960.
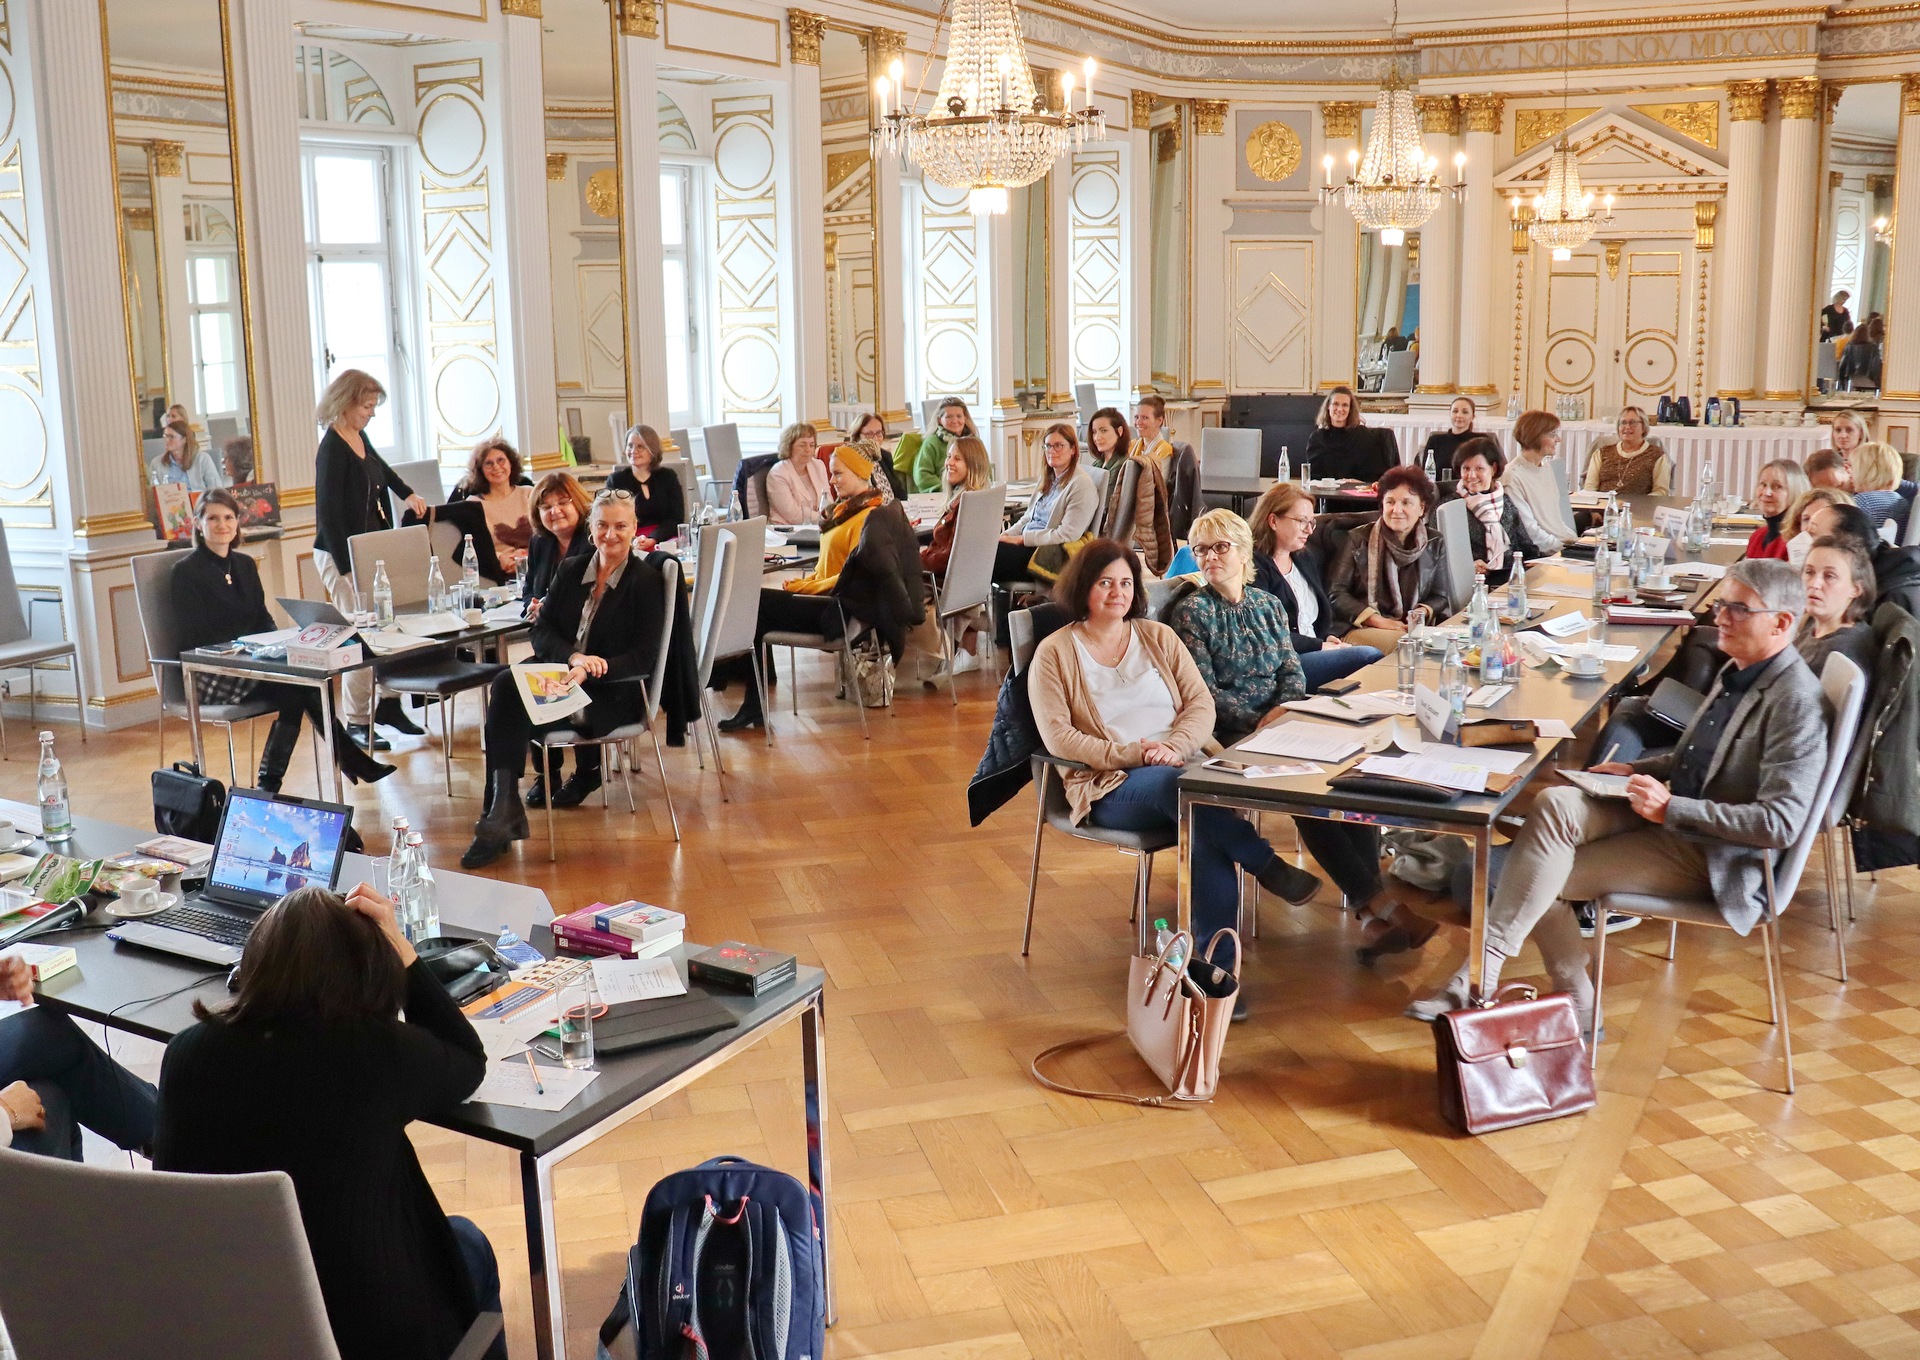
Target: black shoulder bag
x=187 y=803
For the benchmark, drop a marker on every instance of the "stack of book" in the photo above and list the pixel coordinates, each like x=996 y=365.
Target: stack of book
x=44 y=960
x=630 y=930
x=743 y=967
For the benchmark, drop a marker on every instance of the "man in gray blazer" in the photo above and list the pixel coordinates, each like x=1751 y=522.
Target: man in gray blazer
x=1697 y=820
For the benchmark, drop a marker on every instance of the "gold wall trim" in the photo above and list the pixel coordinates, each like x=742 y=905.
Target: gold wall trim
x=119 y=522
x=520 y=9
x=1705 y=213
x=1209 y=117
x=637 y=18
x=1484 y=113
x=1699 y=120
x=1141 y=102
x=1910 y=94
x=167 y=160
x=1534 y=126
x=1340 y=118
x=295 y=497
x=479 y=8
x=1439 y=114
x=1747 y=100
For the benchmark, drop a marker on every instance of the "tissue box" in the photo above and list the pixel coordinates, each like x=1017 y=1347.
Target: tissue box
x=324 y=647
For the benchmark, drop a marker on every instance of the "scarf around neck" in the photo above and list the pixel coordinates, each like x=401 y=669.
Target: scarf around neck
x=847 y=507
x=1490 y=508
x=1388 y=561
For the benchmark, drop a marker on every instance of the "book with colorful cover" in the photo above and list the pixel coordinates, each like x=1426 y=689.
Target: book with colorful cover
x=174 y=506
x=743 y=967
x=45 y=960
x=638 y=921
x=189 y=853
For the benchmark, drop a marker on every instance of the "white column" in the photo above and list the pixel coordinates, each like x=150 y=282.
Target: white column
x=1136 y=246
x=1900 y=369
x=1796 y=205
x=1059 y=292
x=1213 y=179
x=529 y=244
x=637 y=81
x=1740 y=224
x=1482 y=216
x=807 y=173
x=889 y=258
x=1005 y=319
x=166 y=163
x=1393 y=303
x=1439 y=258
x=1339 y=254
x=267 y=142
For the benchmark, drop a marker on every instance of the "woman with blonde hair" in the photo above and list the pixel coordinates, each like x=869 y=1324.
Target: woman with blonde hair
x=351 y=482
x=1631 y=463
x=797 y=485
x=659 y=501
x=1878 y=487
x=1793 y=527
x=1779 y=484
x=1283 y=521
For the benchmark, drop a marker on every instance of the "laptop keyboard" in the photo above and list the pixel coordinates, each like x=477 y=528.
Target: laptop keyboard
x=213 y=925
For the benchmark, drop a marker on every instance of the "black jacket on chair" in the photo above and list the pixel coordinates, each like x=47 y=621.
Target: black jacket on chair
x=1267 y=577
x=881 y=584
x=470 y=518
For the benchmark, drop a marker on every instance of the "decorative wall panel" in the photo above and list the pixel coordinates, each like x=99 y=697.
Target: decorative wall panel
x=953 y=342
x=750 y=372
x=1097 y=297
x=1270 y=345
x=1653 y=307
x=26 y=487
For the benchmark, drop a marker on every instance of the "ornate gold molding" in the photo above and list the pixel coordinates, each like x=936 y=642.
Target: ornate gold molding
x=1699 y=120
x=1142 y=101
x=805 y=29
x=1209 y=117
x=1484 y=111
x=1705 y=213
x=603 y=194
x=167 y=159
x=1168 y=138
x=1439 y=114
x=1835 y=88
x=1613 y=250
x=1522 y=219
x=638 y=18
x=1273 y=151
x=1340 y=118
x=888 y=45
x=1910 y=93
x=1800 y=97
x=556 y=165
x=139 y=219
x=118 y=522
x=1534 y=126
x=1747 y=100
x=1835 y=178
x=833 y=251
x=520 y=9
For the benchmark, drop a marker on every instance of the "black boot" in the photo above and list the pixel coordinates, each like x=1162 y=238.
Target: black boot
x=505 y=822
x=389 y=713
x=537 y=795
x=585 y=778
x=750 y=714
x=356 y=764
x=282 y=737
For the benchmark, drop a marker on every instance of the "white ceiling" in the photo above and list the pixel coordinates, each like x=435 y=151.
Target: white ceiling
x=172 y=35
x=1280 y=20
x=1869 y=111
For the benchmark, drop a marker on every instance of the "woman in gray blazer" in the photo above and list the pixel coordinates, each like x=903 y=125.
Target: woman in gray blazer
x=1064 y=505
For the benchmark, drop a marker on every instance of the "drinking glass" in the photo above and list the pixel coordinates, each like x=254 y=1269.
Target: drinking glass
x=1306 y=474
x=579 y=1004
x=1407 y=663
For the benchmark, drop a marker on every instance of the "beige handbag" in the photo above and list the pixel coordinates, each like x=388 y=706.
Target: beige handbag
x=1177 y=1025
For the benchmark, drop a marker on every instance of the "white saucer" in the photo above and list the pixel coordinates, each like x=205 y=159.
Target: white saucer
x=17 y=847
x=162 y=901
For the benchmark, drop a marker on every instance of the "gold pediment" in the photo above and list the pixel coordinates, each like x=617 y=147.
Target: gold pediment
x=1699 y=121
x=1534 y=126
x=840 y=164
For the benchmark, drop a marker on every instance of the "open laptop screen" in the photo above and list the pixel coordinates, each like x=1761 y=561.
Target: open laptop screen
x=270 y=846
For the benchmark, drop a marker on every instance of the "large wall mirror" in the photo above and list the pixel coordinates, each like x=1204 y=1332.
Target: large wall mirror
x=1856 y=241
x=1171 y=257
x=583 y=219
x=182 y=260
x=847 y=220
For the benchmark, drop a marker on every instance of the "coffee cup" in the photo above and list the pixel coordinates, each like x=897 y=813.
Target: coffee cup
x=473 y=617
x=7 y=836
x=139 y=894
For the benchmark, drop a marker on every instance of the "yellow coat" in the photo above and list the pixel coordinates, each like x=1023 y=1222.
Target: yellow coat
x=836 y=546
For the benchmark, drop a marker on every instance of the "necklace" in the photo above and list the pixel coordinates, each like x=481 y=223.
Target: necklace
x=1097 y=647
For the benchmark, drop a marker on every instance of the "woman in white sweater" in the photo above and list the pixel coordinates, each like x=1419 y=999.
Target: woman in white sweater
x=1064 y=505
x=1530 y=481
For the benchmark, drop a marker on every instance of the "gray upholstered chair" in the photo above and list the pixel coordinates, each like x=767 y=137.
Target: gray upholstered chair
x=968 y=584
x=19 y=649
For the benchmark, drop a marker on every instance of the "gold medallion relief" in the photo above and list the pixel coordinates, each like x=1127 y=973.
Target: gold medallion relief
x=1273 y=151
x=603 y=193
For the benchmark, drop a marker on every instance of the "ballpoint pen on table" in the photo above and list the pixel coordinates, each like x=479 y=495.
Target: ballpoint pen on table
x=538 y=1086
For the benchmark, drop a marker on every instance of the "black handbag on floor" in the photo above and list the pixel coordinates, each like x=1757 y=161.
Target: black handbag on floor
x=187 y=803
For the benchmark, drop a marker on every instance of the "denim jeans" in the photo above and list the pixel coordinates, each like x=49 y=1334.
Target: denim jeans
x=77 y=1082
x=1222 y=838
x=1348 y=851
x=483 y=1273
x=1336 y=663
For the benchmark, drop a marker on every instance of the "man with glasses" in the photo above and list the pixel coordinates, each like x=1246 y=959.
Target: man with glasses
x=1697 y=821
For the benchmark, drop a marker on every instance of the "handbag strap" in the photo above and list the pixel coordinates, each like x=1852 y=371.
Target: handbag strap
x=1120 y=1097
x=1214 y=944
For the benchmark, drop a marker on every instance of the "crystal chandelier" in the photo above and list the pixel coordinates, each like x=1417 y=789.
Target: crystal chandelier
x=989 y=130
x=1563 y=216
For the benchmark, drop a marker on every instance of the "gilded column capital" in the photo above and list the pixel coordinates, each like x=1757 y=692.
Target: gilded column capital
x=1484 y=111
x=1142 y=109
x=1835 y=179
x=1340 y=118
x=1910 y=93
x=1879 y=186
x=1439 y=114
x=520 y=9
x=167 y=159
x=639 y=18
x=1800 y=97
x=805 y=29
x=1168 y=137
x=556 y=165
x=1747 y=100
x=1831 y=104
x=1209 y=117
x=889 y=45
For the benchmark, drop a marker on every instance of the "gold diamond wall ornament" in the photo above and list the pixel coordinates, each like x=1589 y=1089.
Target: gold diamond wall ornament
x=603 y=193
x=1273 y=151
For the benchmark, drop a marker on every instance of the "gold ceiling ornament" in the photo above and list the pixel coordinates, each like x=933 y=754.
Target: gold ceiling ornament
x=1484 y=111
x=1209 y=117
x=1835 y=88
x=888 y=46
x=520 y=9
x=1169 y=137
x=1747 y=100
x=1340 y=118
x=805 y=29
x=1910 y=93
x=1705 y=213
x=1142 y=108
x=1534 y=126
x=1698 y=121
x=1439 y=114
x=168 y=159
x=1613 y=258
x=1800 y=97
x=1273 y=151
x=638 y=18
x=556 y=165
x=603 y=194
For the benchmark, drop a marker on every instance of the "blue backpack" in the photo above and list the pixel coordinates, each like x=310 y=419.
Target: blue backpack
x=729 y=1265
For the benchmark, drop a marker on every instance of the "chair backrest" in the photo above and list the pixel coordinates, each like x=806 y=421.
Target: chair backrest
x=1457 y=562
x=153 y=597
x=1099 y=479
x=1845 y=687
x=13 y=619
x=976 y=532
x=741 y=606
x=405 y=552
x=1228 y=453
x=930 y=413
x=1400 y=370
x=670 y=568
x=684 y=440
x=1020 y=639
x=683 y=473
x=719 y=561
x=1121 y=526
x=617 y=427
x=427 y=478
x=123 y=1262
x=1563 y=487
x=723 y=452
x=219 y=430
x=443 y=541
x=1827 y=354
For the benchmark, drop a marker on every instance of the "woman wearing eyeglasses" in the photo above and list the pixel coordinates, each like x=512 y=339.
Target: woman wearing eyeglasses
x=1062 y=512
x=1631 y=463
x=659 y=500
x=1283 y=521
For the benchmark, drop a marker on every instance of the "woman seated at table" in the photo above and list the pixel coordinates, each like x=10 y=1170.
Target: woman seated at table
x=182 y=461
x=1282 y=523
x=797 y=485
x=1498 y=525
x=1531 y=481
x=967 y=470
x=495 y=481
x=1239 y=640
x=1442 y=444
x=1118 y=693
x=1880 y=489
x=1385 y=569
x=1064 y=504
x=1152 y=532
x=1780 y=482
x=336 y=1039
x=560 y=507
x=604 y=617
x=1630 y=463
x=659 y=501
x=953 y=422
x=217 y=597
x=1797 y=529
x=55 y=1081
x=1342 y=445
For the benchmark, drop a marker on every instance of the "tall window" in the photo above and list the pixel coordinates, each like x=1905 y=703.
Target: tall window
x=213 y=301
x=350 y=276
x=684 y=313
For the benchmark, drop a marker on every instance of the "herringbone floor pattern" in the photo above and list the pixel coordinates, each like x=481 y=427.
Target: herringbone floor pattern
x=1317 y=1208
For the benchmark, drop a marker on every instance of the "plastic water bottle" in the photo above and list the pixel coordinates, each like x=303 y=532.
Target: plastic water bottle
x=1284 y=472
x=1700 y=521
x=1453 y=679
x=1706 y=481
x=1513 y=406
x=735 y=513
x=1432 y=471
x=423 y=907
x=1162 y=937
x=56 y=808
x=436 y=586
x=382 y=595
x=1479 y=612
x=1517 y=591
x=1493 y=658
x=469 y=574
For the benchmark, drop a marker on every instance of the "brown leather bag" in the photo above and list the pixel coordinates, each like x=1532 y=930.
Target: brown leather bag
x=1503 y=1063
x=1177 y=1026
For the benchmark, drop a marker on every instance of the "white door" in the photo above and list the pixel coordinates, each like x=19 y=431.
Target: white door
x=1613 y=330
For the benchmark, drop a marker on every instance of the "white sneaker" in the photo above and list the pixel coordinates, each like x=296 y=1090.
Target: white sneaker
x=964 y=661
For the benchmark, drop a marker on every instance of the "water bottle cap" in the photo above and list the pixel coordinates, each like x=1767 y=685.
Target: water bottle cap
x=1160 y=923
x=46 y=736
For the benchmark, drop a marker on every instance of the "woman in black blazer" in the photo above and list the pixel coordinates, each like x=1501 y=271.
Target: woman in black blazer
x=560 y=510
x=622 y=599
x=1282 y=523
x=658 y=498
x=1341 y=445
x=311 y=1070
x=217 y=597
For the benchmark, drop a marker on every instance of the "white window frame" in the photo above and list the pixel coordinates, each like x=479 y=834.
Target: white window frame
x=230 y=309
x=693 y=251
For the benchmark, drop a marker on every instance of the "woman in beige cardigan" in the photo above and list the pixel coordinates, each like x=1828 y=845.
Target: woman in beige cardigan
x=1121 y=695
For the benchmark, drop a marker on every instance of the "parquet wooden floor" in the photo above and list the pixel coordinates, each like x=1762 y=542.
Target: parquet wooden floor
x=1317 y=1208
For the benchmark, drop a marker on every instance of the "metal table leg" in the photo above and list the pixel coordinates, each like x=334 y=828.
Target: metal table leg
x=1477 y=928
x=813 y=1056
x=543 y=1259
x=1183 y=898
x=187 y=674
x=326 y=739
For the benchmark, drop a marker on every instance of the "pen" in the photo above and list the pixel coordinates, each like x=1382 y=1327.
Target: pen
x=1609 y=755
x=538 y=1086
x=1342 y=702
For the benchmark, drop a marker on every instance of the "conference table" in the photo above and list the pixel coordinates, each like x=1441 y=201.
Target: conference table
x=1536 y=693
x=144 y=992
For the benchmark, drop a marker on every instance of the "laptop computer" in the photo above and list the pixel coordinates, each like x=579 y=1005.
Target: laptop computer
x=268 y=845
x=306 y=613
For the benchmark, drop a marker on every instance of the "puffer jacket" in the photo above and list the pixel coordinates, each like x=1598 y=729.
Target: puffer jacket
x=881 y=584
x=1006 y=766
x=1881 y=769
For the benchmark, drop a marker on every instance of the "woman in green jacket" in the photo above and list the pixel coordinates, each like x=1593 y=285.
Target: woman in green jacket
x=953 y=422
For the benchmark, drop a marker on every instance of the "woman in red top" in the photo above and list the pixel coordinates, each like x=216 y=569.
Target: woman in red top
x=1780 y=485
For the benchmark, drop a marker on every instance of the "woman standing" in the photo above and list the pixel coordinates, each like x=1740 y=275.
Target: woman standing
x=1631 y=463
x=1062 y=512
x=659 y=501
x=797 y=487
x=1384 y=570
x=1283 y=521
x=1498 y=525
x=1442 y=444
x=1530 y=479
x=1151 y=534
x=953 y=422
x=184 y=462
x=350 y=486
x=217 y=597
x=1343 y=446
x=505 y=495
x=1781 y=482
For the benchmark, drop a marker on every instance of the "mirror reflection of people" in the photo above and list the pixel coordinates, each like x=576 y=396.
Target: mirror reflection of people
x=1835 y=319
x=236 y=456
x=184 y=462
x=1860 y=360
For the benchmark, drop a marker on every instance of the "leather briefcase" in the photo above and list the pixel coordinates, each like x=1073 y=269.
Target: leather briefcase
x=1503 y=1063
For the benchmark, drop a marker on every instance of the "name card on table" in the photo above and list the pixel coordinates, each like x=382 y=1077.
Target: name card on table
x=1433 y=711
